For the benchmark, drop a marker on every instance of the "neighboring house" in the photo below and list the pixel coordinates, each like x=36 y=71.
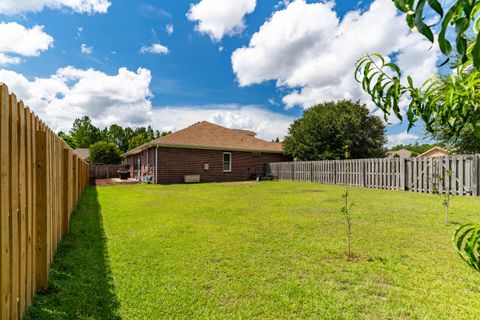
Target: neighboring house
x=213 y=152
x=83 y=153
x=436 y=152
x=402 y=153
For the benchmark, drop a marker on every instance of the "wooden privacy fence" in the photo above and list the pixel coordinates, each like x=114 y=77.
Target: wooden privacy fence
x=105 y=171
x=40 y=184
x=458 y=175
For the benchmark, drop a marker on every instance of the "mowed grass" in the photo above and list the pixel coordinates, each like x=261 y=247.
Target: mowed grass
x=270 y=250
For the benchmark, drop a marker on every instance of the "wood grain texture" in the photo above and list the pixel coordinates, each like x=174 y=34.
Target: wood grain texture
x=36 y=202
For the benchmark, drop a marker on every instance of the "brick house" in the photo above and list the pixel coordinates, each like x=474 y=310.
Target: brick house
x=213 y=152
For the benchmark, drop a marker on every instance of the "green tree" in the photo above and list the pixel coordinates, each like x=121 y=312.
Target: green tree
x=466 y=142
x=84 y=133
x=159 y=134
x=138 y=140
x=326 y=130
x=68 y=139
x=119 y=137
x=104 y=152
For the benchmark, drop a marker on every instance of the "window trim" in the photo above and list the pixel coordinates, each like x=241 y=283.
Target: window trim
x=230 y=162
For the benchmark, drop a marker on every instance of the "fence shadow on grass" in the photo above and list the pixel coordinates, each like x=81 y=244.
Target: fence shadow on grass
x=80 y=284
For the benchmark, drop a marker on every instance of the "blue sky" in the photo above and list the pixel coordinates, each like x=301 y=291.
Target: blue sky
x=192 y=66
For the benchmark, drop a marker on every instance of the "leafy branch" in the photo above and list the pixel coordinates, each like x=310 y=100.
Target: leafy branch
x=448 y=101
x=461 y=16
x=467 y=243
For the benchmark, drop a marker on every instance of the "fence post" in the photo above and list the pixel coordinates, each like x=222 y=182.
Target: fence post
x=42 y=259
x=311 y=171
x=334 y=171
x=362 y=166
x=293 y=170
x=475 y=175
x=4 y=205
x=65 y=191
x=403 y=173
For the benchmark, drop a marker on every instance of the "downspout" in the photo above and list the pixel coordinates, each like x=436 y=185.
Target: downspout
x=156 y=164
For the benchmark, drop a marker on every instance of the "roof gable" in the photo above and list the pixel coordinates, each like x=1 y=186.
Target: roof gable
x=435 y=149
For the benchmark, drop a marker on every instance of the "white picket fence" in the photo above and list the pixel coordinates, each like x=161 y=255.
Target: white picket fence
x=458 y=175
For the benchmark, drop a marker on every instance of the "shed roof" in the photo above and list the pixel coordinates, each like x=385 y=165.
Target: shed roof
x=206 y=135
x=439 y=150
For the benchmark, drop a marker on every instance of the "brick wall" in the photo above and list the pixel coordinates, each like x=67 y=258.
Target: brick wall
x=175 y=163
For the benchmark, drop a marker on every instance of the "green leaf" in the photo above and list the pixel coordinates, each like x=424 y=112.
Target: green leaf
x=443 y=43
x=476 y=53
x=394 y=67
x=426 y=31
x=436 y=6
x=410 y=81
x=476 y=26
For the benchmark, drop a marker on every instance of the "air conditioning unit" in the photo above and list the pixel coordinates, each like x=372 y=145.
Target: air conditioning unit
x=193 y=178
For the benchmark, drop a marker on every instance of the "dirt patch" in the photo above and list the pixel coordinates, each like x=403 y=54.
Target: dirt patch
x=356 y=258
x=239 y=183
x=113 y=182
x=154 y=203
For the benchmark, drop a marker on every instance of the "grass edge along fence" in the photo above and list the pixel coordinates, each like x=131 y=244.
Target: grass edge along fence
x=41 y=182
x=457 y=175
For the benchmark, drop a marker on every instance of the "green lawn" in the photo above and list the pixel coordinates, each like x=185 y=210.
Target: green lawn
x=270 y=250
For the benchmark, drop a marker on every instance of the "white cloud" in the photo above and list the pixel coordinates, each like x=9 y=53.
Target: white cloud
x=169 y=29
x=155 y=48
x=13 y=7
x=70 y=93
x=401 y=138
x=267 y=124
x=16 y=40
x=86 y=49
x=308 y=50
x=125 y=98
x=218 y=18
x=6 y=59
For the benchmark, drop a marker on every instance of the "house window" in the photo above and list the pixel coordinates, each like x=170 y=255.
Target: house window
x=227 y=162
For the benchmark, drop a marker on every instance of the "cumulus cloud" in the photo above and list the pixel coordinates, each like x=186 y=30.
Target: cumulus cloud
x=218 y=18
x=308 y=50
x=16 y=40
x=70 y=93
x=125 y=98
x=403 y=137
x=267 y=124
x=86 y=49
x=155 y=48
x=12 y=7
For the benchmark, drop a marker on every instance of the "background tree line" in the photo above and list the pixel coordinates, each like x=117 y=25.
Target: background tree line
x=108 y=144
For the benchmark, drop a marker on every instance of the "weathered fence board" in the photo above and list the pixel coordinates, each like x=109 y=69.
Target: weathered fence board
x=36 y=181
x=458 y=175
x=105 y=171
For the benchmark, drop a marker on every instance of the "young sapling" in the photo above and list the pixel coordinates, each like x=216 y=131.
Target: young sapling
x=346 y=212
